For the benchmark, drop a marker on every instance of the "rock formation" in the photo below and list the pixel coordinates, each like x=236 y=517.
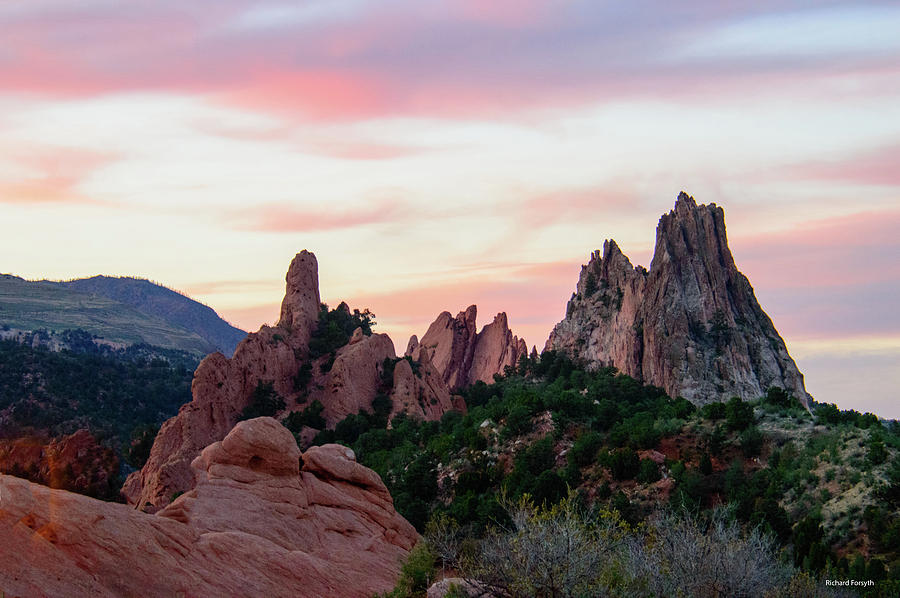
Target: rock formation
x=354 y=377
x=76 y=462
x=691 y=325
x=345 y=382
x=419 y=390
x=255 y=525
x=222 y=388
x=463 y=356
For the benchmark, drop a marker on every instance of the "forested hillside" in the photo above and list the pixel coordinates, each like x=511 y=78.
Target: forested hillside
x=823 y=488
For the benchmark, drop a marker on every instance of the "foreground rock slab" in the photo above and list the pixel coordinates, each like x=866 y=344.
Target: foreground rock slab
x=254 y=525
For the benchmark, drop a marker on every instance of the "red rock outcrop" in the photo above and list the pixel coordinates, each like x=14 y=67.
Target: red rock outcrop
x=255 y=525
x=222 y=388
x=691 y=325
x=345 y=382
x=354 y=378
x=76 y=462
x=422 y=393
x=463 y=356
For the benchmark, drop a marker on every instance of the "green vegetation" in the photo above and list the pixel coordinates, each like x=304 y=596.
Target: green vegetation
x=550 y=429
x=570 y=550
x=264 y=402
x=335 y=328
x=110 y=393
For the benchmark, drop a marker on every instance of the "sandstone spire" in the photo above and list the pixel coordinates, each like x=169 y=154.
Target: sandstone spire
x=345 y=381
x=300 y=306
x=691 y=325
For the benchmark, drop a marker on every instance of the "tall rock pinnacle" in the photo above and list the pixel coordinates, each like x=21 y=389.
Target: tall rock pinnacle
x=300 y=306
x=691 y=325
x=278 y=358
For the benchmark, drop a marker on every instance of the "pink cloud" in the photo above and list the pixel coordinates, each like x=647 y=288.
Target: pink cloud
x=55 y=174
x=532 y=295
x=283 y=218
x=856 y=249
x=463 y=58
x=880 y=166
x=549 y=208
x=507 y=13
x=343 y=148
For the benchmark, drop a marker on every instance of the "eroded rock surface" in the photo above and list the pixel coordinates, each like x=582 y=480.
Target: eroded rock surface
x=463 y=356
x=691 y=324
x=222 y=388
x=344 y=381
x=254 y=525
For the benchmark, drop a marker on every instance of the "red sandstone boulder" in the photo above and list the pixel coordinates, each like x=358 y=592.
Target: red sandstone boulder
x=76 y=462
x=355 y=376
x=422 y=394
x=254 y=525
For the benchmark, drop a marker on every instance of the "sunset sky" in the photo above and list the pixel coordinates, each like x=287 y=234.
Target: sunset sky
x=437 y=154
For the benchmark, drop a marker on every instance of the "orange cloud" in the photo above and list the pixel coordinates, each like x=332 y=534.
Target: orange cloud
x=54 y=174
x=251 y=318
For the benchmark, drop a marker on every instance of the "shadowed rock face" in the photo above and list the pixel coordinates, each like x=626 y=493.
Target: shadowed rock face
x=461 y=355
x=691 y=325
x=255 y=525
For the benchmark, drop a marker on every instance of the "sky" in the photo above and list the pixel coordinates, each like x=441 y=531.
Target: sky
x=436 y=154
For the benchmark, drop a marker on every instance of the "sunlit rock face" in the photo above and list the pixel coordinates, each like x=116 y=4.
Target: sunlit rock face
x=223 y=387
x=463 y=356
x=691 y=324
x=344 y=382
x=256 y=524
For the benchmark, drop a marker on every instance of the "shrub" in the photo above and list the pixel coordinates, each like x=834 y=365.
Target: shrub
x=624 y=464
x=751 y=442
x=683 y=555
x=311 y=417
x=713 y=411
x=584 y=451
x=738 y=414
x=264 y=402
x=648 y=472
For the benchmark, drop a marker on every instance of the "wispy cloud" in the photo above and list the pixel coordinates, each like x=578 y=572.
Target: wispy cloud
x=49 y=174
x=360 y=60
x=288 y=218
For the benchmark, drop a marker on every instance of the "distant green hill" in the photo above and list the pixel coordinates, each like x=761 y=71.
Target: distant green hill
x=124 y=310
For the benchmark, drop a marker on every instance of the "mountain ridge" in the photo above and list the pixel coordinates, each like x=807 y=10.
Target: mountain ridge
x=123 y=310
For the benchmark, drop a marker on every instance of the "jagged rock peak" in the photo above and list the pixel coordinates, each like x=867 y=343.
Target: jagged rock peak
x=300 y=306
x=690 y=324
x=463 y=356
